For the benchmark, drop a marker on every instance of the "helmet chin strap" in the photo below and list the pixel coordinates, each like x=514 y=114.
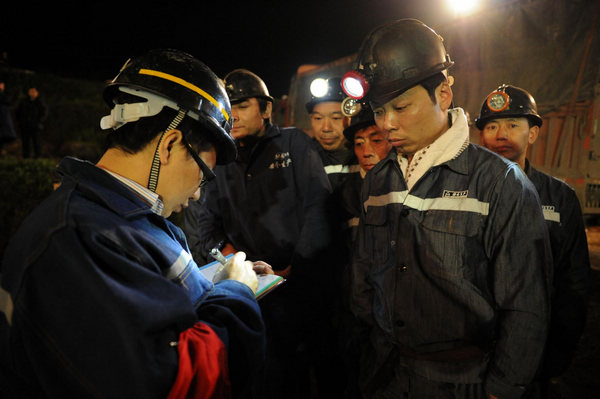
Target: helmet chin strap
x=155 y=169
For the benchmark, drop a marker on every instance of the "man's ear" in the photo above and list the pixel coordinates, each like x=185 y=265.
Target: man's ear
x=268 y=111
x=168 y=142
x=534 y=131
x=444 y=95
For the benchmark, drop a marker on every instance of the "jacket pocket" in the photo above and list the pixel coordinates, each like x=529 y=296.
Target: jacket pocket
x=447 y=240
x=379 y=234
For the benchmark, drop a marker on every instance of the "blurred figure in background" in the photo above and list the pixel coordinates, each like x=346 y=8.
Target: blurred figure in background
x=7 y=128
x=31 y=114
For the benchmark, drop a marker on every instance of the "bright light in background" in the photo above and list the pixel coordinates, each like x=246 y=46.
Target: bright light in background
x=318 y=87
x=463 y=7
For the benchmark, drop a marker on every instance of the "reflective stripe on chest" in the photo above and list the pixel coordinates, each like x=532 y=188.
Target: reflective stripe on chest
x=449 y=203
x=329 y=169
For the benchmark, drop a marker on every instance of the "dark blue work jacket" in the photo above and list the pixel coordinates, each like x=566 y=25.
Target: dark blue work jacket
x=454 y=274
x=339 y=165
x=351 y=205
x=571 y=283
x=94 y=312
x=271 y=206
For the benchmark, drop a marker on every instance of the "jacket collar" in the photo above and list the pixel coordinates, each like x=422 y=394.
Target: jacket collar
x=98 y=185
x=459 y=135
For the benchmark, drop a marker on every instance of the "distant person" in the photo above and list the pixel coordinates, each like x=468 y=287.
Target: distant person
x=108 y=302
x=509 y=124
x=7 y=128
x=270 y=204
x=31 y=115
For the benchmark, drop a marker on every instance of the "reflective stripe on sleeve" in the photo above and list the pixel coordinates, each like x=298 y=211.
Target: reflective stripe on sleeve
x=178 y=267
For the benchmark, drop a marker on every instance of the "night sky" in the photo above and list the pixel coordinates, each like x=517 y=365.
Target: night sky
x=91 y=40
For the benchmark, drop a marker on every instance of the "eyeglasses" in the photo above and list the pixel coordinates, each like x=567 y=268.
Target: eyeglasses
x=207 y=173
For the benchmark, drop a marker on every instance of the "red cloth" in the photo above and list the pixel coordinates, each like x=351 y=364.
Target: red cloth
x=203 y=372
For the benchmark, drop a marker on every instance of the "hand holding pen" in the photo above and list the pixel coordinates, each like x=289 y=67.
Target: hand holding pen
x=237 y=268
x=259 y=267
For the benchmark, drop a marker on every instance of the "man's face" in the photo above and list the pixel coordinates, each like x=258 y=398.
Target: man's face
x=370 y=146
x=182 y=178
x=328 y=124
x=33 y=93
x=412 y=121
x=247 y=118
x=509 y=137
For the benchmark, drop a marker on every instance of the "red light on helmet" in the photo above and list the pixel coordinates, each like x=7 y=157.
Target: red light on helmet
x=355 y=84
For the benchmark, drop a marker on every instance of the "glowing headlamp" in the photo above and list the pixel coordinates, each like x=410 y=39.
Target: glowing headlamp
x=319 y=87
x=355 y=84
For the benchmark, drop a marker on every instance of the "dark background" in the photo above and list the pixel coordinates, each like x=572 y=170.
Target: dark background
x=91 y=39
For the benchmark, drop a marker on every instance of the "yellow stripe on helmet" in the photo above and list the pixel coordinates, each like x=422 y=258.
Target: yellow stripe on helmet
x=188 y=85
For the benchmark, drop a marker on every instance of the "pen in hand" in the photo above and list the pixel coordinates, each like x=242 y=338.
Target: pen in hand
x=220 y=273
x=215 y=253
x=243 y=272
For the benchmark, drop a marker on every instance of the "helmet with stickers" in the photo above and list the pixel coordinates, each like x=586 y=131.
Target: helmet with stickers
x=508 y=101
x=174 y=79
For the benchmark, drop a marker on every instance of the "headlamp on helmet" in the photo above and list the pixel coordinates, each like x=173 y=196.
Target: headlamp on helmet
x=351 y=107
x=508 y=101
x=325 y=90
x=393 y=58
x=497 y=101
x=355 y=84
x=318 y=87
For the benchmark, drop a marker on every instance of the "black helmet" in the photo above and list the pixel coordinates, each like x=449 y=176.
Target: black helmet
x=397 y=56
x=507 y=101
x=364 y=118
x=334 y=93
x=242 y=84
x=176 y=79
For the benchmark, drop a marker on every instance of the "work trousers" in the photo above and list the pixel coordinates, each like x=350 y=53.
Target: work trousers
x=407 y=385
x=30 y=138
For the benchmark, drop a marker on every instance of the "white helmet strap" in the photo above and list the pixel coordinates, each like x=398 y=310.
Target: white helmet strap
x=124 y=113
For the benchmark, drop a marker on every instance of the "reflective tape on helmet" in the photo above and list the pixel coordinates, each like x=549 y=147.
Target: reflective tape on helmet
x=188 y=85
